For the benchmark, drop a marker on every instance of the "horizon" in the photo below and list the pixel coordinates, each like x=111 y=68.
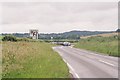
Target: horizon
x=55 y=32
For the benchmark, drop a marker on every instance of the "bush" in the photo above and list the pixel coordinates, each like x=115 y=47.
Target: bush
x=9 y=38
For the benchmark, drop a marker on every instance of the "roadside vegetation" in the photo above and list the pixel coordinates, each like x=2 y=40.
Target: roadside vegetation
x=1 y=37
x=103 y=44
x=31 y=59
x=16 y=39
x=0 y=66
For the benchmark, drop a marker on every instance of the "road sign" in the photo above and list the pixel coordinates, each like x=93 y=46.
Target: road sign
x=34 y=33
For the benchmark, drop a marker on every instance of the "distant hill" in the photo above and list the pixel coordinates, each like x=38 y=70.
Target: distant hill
x=66 y=35
x=71 y=34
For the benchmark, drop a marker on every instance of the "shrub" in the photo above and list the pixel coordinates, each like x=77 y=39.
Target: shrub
x=9 y=38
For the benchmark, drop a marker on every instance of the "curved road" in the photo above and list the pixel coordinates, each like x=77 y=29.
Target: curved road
x=87 y=64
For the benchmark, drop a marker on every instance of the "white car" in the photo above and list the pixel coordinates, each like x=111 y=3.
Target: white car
x=66 y=44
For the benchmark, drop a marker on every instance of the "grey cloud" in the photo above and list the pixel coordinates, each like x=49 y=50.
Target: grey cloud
x=61 y=14
x=49 y=12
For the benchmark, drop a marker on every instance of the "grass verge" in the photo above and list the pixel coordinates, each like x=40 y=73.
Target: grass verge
x=106 y=45
x=32 y=60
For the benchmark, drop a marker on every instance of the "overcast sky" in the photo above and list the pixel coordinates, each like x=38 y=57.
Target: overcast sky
x=49 y=17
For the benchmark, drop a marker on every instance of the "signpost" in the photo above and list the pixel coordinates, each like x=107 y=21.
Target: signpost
x=34 y=33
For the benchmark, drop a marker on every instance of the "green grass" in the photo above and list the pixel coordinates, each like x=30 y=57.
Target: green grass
x=1 y=37
x=106 y=45
x=32 y=60
x=0 y=61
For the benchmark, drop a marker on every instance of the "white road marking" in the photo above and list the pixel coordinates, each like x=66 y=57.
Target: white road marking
x=73 y=70
x=64 y=60
x=53 y=47
x=107 y=63
x=102 y=55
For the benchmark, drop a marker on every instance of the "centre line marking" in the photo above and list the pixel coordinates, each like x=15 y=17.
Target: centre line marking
x=107 y=63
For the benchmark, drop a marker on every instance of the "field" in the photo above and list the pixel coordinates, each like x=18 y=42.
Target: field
x=102 y=35
x=103 y=44
x=32 y=60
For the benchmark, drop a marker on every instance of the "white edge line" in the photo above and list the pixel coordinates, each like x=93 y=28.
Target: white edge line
x=64 y=60
x=71 y=69
x=53 y=48
x=107 y=63
x=69 y=66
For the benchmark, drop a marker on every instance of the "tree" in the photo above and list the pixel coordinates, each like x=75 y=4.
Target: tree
x=9 y=38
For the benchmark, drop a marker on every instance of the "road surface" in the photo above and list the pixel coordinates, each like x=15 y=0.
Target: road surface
x=87 y=64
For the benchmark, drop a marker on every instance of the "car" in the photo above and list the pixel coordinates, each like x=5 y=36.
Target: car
x=66 y=44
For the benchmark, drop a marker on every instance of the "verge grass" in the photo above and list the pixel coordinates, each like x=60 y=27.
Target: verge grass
x=1 y=37
x=0 y=60
x=32 y=60
x=106 y=45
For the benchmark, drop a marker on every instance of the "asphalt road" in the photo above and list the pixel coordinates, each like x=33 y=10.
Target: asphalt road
x=87 y=64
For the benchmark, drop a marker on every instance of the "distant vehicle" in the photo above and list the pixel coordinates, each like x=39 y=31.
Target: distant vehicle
x=66 y=44
x=60 y=43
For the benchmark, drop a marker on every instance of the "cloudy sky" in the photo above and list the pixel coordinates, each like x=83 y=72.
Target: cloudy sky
x=49 y=17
